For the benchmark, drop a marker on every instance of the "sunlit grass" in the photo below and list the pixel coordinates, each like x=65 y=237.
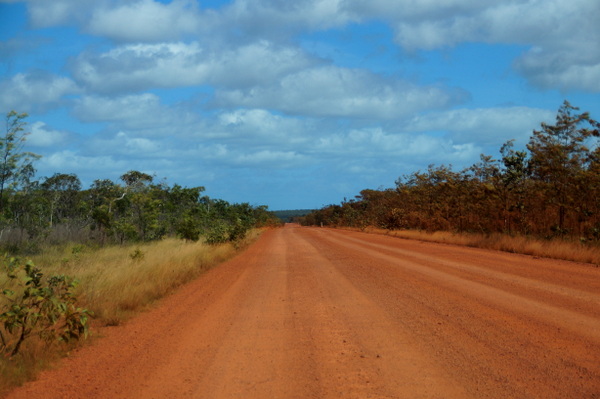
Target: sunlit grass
x=552 y=248
x=115 y=283
x=118 y=281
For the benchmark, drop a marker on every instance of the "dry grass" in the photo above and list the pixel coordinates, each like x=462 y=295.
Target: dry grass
x=116 y=283
x=555 y=249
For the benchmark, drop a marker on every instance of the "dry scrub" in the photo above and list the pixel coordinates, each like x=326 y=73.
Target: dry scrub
x=115 y=283
x=554 y=249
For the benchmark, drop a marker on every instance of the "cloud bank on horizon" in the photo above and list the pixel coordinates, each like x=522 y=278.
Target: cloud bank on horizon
x=289 y=104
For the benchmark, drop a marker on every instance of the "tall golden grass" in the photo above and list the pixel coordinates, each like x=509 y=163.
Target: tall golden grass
x=551 y=248
x=116 y=283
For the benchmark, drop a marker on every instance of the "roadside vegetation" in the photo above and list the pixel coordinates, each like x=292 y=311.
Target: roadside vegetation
x=73 y=259
x=543 y=200
x=113 y=283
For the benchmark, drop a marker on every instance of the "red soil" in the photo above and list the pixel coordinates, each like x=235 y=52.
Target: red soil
x=319 y=313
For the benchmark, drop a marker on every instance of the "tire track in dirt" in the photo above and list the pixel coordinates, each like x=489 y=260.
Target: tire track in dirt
x=494 y=347
x=508 y=270
x=319 y=313
x=359 y=351
x=483 y=283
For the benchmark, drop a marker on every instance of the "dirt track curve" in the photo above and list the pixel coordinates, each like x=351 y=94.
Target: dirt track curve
x=320 y=313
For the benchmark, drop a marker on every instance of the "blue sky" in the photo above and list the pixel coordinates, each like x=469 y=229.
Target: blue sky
x=289 y=104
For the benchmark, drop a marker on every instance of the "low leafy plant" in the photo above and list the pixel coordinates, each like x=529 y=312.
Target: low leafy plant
x=34 y=305
x=137 y=255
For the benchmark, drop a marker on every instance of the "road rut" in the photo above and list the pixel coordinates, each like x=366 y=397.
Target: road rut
x=322 y=313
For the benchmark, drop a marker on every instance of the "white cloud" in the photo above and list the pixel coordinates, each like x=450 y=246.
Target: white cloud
x=213 y=151
x=432 y=24
x=270 y=158
x=126 y=144
x=146 y=20
x=561 y=33
x=44 y=13
x=260 y=62
x=491 y=126
x=34 y=91
x=143 y=66
x=377 y=144
x=374 y=156
x=153 y=21
x=124 y=109
x=577 y=68
x=141 y=112
x=411 y=9
x=68 y=161
x=258 y=124
x=138 y=20
x=44 y=136
x=277 y=18
x=238 y=155
x=342 y=92
x=138 y=145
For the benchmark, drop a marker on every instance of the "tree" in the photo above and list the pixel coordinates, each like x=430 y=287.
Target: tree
x=559 y=155
x=15 y=164
x=142 y=215
x=514 y=177
x=62 y=190
x=136 y=181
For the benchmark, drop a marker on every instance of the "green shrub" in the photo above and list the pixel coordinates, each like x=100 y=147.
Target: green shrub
x=217 y=234
x=32 y=305
x=189 y=229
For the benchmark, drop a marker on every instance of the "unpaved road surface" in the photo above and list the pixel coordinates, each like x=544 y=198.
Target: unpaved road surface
x=319 y=313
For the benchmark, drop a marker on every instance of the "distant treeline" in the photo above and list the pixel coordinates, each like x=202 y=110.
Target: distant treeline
x=550 y=189
x=292 y=215
x=56 y=209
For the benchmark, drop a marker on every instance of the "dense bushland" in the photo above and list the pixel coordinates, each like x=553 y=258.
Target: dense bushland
x=56 y=210
x=551 y=189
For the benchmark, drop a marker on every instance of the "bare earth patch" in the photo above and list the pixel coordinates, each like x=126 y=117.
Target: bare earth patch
x=319 y=313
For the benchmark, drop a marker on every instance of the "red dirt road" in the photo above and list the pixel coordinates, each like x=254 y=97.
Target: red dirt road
x=319 y=313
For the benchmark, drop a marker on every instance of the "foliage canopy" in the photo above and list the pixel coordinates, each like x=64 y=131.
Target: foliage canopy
x=549 y=189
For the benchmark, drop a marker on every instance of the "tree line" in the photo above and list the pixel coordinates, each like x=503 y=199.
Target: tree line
x=550 y=189
x=57 y=209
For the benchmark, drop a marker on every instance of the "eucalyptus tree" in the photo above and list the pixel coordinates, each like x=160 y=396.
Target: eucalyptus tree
x=62 y=191
x=136 y=212
x=15 y=163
